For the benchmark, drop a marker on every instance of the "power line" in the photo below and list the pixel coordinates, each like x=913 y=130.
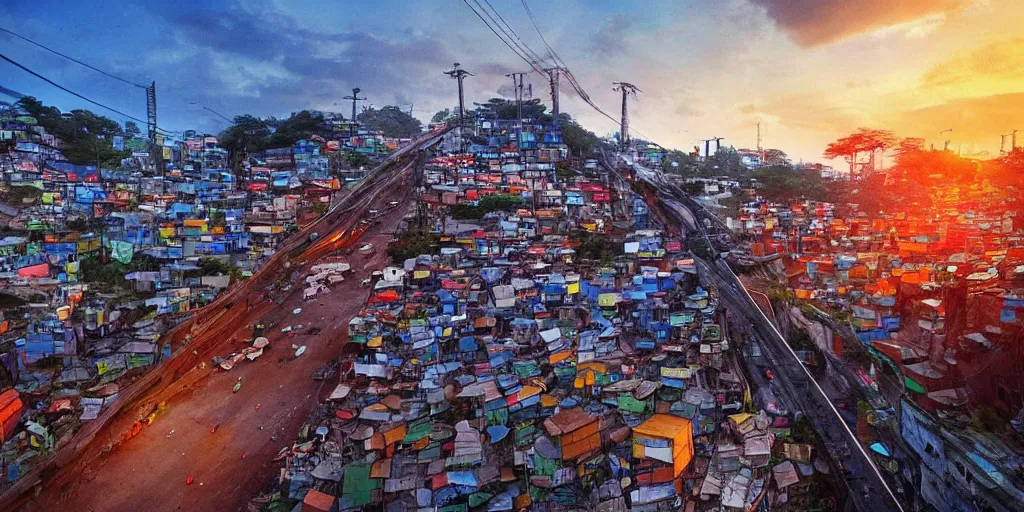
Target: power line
x=534 y=55
x=72 y=59
x=73 y=93
x=554 y=55
x=572 y=79
x=510 y=47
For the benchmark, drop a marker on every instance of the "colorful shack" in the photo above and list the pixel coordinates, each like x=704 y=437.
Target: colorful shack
x=665 y=438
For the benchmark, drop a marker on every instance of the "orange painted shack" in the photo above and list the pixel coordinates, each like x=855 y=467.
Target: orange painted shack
x=10 y=413
x=577 y=432
x=666 y=438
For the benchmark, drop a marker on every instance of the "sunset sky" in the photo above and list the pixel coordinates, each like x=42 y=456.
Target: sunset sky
x=810 y=70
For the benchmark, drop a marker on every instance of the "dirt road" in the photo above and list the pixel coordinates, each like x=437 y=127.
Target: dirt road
x=149 y=472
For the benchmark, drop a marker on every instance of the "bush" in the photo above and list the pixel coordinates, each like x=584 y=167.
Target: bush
x=411 y=245
x=498 y=202
x=213 y=266
x=467 y=212
x=93 y=270
x=491 y=203
x=594 y=247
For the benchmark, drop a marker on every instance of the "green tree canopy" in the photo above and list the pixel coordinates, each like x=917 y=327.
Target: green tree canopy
x=725 y=161
x=685 y=163
x=500 y=108
x=580 y=141
x=782 y=183
x=86 y=135
x=300 y=125
x=392 y=121
x=442 y=116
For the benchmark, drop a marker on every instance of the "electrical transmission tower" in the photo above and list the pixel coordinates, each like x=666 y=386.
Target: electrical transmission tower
x=554 y=74
x=354 y=97
x=151 y=111
x=627 y=89
x=460 y=74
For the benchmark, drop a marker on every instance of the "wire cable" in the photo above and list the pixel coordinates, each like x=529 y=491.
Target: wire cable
x=534 y=55
x=510 y=47
x=507 y=39
x=554 y=55
x=73 y=93
x=72 y=59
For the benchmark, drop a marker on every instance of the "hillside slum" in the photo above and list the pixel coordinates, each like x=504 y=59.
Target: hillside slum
x=98 y=262
x=935 y=297
x=553 y=348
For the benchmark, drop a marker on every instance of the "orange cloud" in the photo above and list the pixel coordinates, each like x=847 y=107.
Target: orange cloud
x=977 y=121
x=818 y=22
x=991 y=69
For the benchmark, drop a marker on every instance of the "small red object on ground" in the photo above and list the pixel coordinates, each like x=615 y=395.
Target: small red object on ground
x=189 y=481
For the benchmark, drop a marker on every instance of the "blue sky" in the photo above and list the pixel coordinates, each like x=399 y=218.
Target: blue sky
x=810 y=70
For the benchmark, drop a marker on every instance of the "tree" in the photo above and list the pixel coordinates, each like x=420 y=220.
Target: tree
x=86 y=136
x=300 y=125
x=724 y=161
x=925 y=168
x=909 y=144
x=775 y=157
x=248 y=133
x=782 y=183
x=678 y=162
x=442 y=116
x=392 y=121
x=580 y=141
x=500 y=108
x=131 y=130
x=864 y=140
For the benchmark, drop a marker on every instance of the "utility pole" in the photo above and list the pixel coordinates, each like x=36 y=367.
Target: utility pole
x=1013 y=141
x=627 y=89
x=460 y=74
x=554 y=74
x=517 y=84
x=155 y=158
x=354 y=97
x=760 y=151
x=945 y=144
x=151 y=112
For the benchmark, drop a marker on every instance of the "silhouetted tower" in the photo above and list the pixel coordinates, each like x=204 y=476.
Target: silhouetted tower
x=554 y=74
x=155 y=152
x=627 y=89
x=460 y=74
x=760 y=151
x=151 y=112
x=517 y=85
x=354 y=97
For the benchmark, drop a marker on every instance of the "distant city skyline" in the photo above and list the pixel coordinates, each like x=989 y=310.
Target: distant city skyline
x=810 y=71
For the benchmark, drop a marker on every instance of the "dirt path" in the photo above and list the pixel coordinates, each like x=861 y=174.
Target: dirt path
x=150 y=471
